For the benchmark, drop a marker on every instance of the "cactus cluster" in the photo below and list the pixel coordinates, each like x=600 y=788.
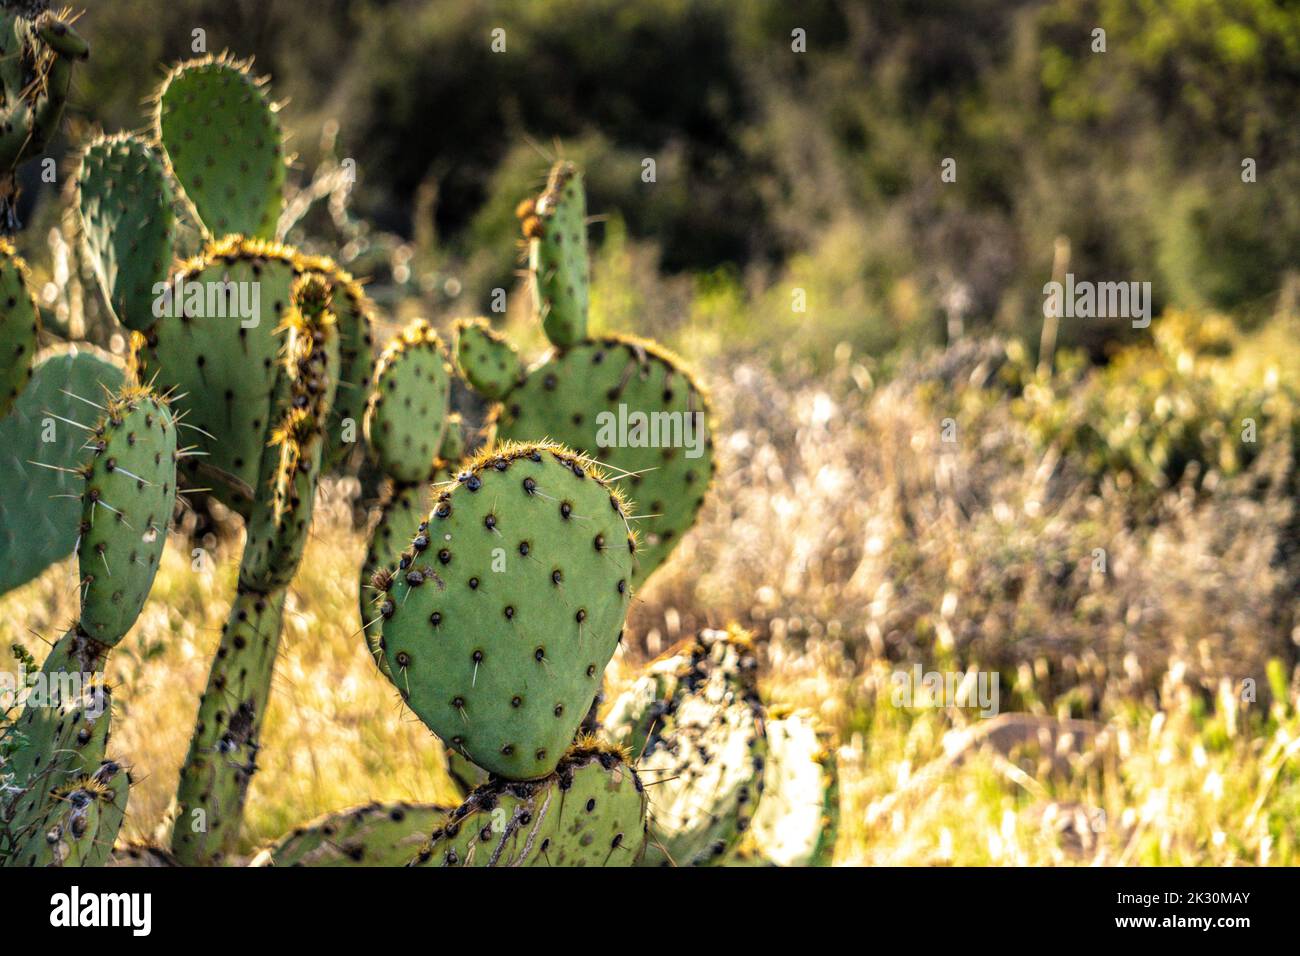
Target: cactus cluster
x=496 y=586
x=627 y=403
x=69 y=798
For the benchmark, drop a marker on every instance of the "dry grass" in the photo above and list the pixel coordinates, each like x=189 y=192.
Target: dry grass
x=853 y=539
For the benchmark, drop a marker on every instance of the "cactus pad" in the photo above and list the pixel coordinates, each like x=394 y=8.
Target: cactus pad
x=633 y=407
x=407 y=413
x=125 y=202
x=20 y=325
x=129 y=493
x=555 y=226
x=590 y=812
x=355 y=315
x=219 y=367
x=67 y=731
x=486 y=358
x=706 y=761
x=510 y=602
x=377 y=834
x=403 y=510
x=80 y=824
x=222 y=138
x=798 y=816
x=40 y=503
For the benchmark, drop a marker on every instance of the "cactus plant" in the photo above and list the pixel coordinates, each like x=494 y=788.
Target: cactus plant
x=267 y=354
x=405 y=505
x=376 y=834
x=199 y=107
x=128 y=231
x=80 y=824
x=508 y=605
x=221 y=359
x=39 y=492
x=37 y=51
x=625 y=402
x=798 y=817
x=589 y=811
x=223 y=750
x=407 y=411
x=703 y=747
x=68 y=799
x=20 y=326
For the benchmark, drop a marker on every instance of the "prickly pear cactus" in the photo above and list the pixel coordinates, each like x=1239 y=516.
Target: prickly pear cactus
x=405 y=506
x=222 y=138
x=124 y=200
x=590 y=811
x=37 y=51
x=500 y=618
x=625 y=402
x=40 y=446
x=80 y=824
x=20 y=325
x=704 y=751
x=798 y=817
x=355 y=316
x=487 y=359
x=407 y=413
x=130 y=489
x=216 y=353
x=555 y=225
x=378 y=834
x=222 y=757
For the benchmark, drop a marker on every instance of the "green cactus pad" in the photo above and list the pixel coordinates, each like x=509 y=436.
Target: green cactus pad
x=593 y=397
x=80 y=824
x=40 y=503
x=798 y=817
x=378 y=834
x=407 y=413
x=590 y=812
x=220 y=369
x=486 y=358
x=705 y=764
x=403 y=510
x=20 y=325
x=66 y=724
x=222 y=138
x=465 y=773
x=277 y=527
x=355 y=315
x=125 y=202
x=555 y=226
x=129 y=493
x=510 y=602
